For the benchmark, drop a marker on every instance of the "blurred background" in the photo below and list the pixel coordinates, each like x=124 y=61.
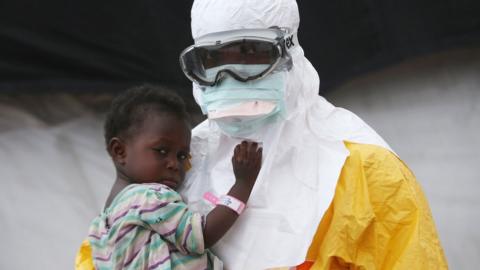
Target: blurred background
x=411 y=69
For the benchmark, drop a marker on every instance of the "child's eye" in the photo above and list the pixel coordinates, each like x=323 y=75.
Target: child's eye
x=162 y=151
x=183 y=156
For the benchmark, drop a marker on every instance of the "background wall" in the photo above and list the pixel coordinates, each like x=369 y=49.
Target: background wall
x=428 y=110
x=54 y=178
x=91 y=45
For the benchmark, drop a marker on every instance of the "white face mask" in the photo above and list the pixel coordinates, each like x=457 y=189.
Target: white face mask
x=247 y=108
x=241 y=108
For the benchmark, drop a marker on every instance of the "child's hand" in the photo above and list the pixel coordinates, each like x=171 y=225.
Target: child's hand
x=246 y=161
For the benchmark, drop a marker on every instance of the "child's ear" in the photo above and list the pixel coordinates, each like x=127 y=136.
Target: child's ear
x=116 y=149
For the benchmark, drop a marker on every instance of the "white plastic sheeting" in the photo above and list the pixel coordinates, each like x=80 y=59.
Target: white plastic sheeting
x=54 y=179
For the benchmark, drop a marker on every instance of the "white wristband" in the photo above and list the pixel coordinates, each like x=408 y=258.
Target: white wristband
x=226 y=200
x=232 y=203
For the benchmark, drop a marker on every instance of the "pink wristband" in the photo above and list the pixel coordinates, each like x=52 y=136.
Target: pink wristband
x=232 y=203
x=226 y=200
x=210 y=197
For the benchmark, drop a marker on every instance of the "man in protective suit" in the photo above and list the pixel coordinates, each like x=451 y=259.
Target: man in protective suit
x=331 y=194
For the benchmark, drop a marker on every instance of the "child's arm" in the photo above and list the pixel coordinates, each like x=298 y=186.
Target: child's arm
x=246 y=161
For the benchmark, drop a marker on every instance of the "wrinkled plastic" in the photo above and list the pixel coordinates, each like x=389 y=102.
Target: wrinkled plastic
x=379 y=218
x=84 y=260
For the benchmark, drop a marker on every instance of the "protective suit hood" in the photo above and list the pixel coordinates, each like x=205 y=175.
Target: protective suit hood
x=303 y=153
x=250 y=14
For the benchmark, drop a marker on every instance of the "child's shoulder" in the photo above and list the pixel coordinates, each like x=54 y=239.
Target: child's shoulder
x=146 y=192
x=149 y=187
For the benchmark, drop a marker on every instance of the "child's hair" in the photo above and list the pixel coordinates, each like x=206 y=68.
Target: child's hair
x=129 y=109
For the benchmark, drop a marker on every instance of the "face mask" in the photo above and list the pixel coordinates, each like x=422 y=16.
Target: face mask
x=241 y=108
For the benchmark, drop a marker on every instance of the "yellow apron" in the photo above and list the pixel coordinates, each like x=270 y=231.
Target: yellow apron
x=378 y=219
x=84 y=261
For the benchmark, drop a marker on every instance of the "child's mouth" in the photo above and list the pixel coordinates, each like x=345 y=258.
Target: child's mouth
x=171 y=183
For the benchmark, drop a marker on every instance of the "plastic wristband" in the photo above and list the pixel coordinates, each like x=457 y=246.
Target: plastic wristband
x=210 y=198
x=232 y=203
x=226 y=200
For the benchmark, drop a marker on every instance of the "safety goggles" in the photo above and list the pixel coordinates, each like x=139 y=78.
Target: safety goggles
x=245 y=55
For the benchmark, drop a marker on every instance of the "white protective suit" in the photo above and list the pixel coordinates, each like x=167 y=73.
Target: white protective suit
x=303 y=154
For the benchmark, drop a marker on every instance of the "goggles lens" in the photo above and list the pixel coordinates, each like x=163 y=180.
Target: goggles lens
x=243 y=52
x=198 y=62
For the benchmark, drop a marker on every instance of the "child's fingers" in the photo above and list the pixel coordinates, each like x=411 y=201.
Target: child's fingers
x=247 y=152
x=252 y=149
x=236 y=152
x=259 y=156
x=242 y=153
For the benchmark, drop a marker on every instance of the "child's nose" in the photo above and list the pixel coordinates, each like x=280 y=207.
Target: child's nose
x=172 y=163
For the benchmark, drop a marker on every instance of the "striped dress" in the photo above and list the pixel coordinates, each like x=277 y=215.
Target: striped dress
x=148 y=226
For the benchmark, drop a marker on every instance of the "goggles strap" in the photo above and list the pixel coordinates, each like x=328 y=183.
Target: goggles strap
x=291 y=41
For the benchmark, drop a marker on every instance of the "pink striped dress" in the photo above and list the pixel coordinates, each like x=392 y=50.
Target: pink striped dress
x=148 y=226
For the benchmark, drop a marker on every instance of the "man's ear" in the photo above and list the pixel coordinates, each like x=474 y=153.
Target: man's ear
x=116 y=149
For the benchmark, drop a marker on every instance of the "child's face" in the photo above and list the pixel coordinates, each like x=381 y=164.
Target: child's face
x=158 y=151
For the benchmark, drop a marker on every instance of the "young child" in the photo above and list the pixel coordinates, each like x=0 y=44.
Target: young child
x=145 y=223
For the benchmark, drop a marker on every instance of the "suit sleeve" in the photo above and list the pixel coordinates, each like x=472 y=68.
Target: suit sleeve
x=379 y=218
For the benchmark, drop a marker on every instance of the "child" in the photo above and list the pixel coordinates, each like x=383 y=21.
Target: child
x=145 y=224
